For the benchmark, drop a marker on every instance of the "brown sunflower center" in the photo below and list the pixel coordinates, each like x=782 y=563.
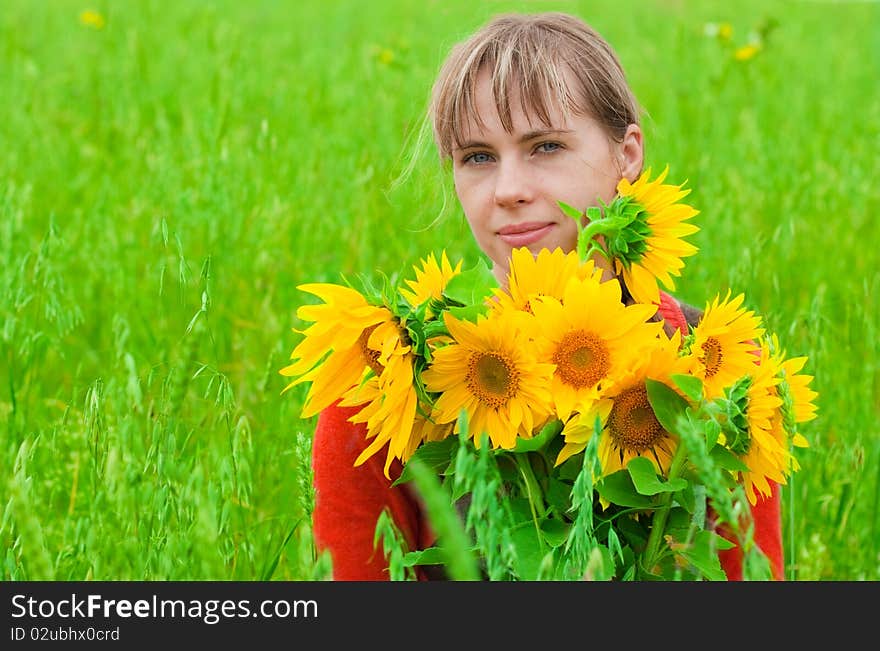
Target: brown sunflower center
x=371 y=356
x=492 y=378
x=712 y=356
x=632 y=423
x=581 y=359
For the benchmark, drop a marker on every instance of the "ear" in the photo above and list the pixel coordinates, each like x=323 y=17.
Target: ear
x=632 y=153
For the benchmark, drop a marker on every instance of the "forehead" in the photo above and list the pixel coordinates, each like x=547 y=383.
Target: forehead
x=497 y=107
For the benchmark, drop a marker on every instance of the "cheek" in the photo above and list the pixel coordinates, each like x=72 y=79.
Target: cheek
x=588 y=194
x=461 y=192
x=584 y=184
x=472 y=200
x=567 y=239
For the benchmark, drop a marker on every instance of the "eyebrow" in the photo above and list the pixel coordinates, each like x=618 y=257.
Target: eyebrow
x=530 y=135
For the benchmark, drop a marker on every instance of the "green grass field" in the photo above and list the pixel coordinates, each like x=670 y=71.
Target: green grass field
x=168 y=178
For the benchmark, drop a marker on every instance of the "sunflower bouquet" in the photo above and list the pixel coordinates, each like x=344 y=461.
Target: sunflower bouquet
x=554 y=426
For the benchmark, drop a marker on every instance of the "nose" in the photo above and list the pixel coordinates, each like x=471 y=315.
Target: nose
x=513 y=184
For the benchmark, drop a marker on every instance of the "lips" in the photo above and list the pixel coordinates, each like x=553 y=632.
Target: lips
x=524 y=234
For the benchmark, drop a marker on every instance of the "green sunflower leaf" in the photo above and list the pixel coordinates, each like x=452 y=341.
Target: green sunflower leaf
x=529 y=551
x=416 y=336
x=686 y=497
x=645 y=478
x=618 y=488
x=712 y=429
x=691 y=385
x=436 y=455
x=549 y=430
x=571 y=211
x=727 y=459
x=634 y=533
x=678 y=522
x=702 y=553
x=667 y=404
x=435 y=328
x=571 y=467
x=558 y=494
x=473 y=286
x=554 y=531
x=470 y=313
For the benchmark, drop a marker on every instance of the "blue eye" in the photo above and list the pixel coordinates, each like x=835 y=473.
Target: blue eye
x=479 y=158
x=548 y=147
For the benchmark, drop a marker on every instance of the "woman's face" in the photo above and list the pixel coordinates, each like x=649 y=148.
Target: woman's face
x=509 y=183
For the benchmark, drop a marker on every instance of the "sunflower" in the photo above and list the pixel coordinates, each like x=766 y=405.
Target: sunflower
x=723 y=348
x=762 y=448
x=491 y=372
x=334 y=355
x=389 y=398
x=650 y=248
x=797 y=397
x=427 y=431
x=546 y=274
x=802 y=396
x=430 y=280
x=629 y=426
x=591 y=338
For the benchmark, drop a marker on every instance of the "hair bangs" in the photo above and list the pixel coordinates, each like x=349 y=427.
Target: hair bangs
x=552 y=65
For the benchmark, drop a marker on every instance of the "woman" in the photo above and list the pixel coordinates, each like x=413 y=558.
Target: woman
x=531 y=110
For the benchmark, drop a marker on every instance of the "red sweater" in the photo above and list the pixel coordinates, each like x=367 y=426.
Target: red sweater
x=349 y=499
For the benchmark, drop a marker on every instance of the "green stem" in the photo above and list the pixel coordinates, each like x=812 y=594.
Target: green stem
x=598 y=227
x=604 y=226
x=658 y=522
x=536 y=501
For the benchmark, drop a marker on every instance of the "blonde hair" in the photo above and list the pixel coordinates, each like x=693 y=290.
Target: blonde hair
x=552 y=61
